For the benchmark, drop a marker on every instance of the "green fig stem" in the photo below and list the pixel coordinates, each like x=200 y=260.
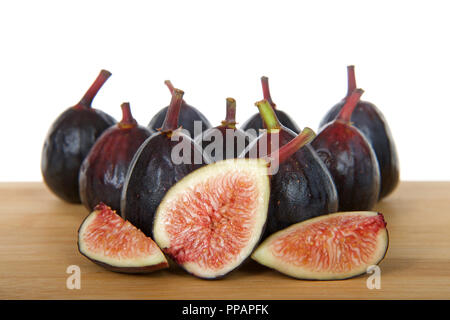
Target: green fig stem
x=350 y=103
x=266 y=91
x=303 y=138
x=230 y=119
x=351 y=80
x=127 y=118
x=89 y=96
x=268 y=115
x=171 y=120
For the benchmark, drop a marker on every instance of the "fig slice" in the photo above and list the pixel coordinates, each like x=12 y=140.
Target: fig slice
x=210 y=221
x=111 y=242
x=331 y=247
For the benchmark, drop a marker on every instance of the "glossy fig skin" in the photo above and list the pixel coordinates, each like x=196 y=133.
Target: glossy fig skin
x=188 y=115
x=301 y=189
x=67 y=143
x=371 y=122
x=255 y=122
x=352 y=163
x=151 y=174
x=102 y=173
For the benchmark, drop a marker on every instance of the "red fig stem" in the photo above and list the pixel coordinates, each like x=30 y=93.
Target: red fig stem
x=86 y=101
x=127 y=118
x=230 y=119
x=268 y=115
x=351 y=80
x=350 y=103
x=170 y=86
x=266 y=91
x=306 y=136
x=171 y=120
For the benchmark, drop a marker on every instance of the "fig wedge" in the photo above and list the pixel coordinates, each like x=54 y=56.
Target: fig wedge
x=115 y=244
x=336 y=246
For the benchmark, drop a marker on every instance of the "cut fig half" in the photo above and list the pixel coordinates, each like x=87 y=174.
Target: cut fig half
x=332 y=247
x=111 y=242
x=212 y=219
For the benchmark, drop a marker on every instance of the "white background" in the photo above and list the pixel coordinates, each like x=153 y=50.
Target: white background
x=51 y=51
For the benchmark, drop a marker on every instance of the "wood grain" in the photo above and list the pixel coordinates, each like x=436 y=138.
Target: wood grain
x=38 y=241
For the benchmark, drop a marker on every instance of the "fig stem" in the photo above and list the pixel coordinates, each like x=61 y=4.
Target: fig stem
x=266 y=91
x=306 y=136
x=350 y=103
x=171 y=120
x=230 y=119
x=268 y=115
x=86 y=101
x=169 y=85
x=351 y=78
x=127 y=118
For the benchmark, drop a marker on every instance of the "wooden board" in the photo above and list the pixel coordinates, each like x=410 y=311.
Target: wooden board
x=38 y=241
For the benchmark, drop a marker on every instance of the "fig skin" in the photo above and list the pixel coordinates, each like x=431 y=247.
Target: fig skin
x=350 y=160
x=103 y=171
x=152 y=172
x=302 y=188
x=227 y=127
x=188 y=114
x=371 y=122
x=352 y=163
x=69 y=140
x=129 y=270
x=256 y=123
